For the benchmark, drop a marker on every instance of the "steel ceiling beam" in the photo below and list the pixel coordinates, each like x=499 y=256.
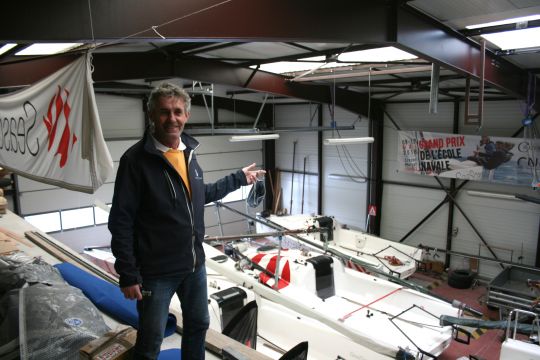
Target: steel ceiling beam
x=195 y=20
x=389 y=22
x=150 y=65
x=423 y=36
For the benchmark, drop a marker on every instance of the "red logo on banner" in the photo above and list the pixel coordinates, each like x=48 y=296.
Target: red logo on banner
x=59 y=106
x=372 y=210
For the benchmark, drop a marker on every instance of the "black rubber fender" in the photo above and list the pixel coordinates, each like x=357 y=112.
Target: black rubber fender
x=461 y=279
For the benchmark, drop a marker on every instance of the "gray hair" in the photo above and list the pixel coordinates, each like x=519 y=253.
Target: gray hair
x=168 y=90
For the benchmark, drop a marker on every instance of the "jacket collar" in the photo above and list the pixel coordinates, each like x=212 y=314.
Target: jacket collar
x=149 y=146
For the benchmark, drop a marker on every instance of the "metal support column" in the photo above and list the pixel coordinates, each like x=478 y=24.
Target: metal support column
x=537 y=262
x=320 y=159
x=450 y=225
x=375 y=158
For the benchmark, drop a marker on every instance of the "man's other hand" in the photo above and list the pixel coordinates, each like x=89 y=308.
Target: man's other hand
x=132 y=292
x=252 y=174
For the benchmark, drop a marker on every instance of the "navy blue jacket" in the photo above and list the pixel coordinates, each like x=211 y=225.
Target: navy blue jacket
x=156 y=228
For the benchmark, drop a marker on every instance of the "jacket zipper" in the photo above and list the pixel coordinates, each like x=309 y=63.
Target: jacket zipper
x=189 y=206
x=171 y=186
x=190 y=209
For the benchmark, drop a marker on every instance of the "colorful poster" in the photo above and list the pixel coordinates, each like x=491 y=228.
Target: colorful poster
x=50 y=132
x=484 y=158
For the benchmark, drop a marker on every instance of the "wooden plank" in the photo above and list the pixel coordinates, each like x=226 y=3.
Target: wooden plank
x=16 y=237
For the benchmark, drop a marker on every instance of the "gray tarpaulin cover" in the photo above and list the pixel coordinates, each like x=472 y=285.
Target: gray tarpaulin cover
x=56 y=321
x=41 y=316
x=17 y=270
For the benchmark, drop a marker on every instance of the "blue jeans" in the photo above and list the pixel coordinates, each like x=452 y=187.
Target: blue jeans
x=154 y=309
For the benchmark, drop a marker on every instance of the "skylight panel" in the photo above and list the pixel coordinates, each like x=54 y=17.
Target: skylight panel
x=47 y=49
x=282 y=67
x=515 y=39
x=6 y=48
x=383 y=54
x=506 y=21
x=317 y=62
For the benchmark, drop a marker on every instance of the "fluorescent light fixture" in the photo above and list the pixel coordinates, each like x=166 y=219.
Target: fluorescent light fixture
x=47 y=49
x=354 y=178
x=6 y=48
x=383 y=54
x=491 y=195
x=505 y=21
x=344 y=141
x=515 y=39
x=254 y=137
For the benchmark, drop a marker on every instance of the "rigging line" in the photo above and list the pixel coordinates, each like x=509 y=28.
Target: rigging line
x=355 y=167
x=154 y=27
x=350 y=159
x=91 y=23
x=351 y=176
x=531 y=92
x=359 y=169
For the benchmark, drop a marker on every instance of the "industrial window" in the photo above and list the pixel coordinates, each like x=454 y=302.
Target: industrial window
x=101 y=216
x=45 y=222
x=77 y=218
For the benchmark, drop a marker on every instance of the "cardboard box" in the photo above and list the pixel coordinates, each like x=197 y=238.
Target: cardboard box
x=114 y=345
x=433 y=266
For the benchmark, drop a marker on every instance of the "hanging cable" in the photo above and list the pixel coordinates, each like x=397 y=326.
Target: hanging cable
x=91 y=23
x=257 y=193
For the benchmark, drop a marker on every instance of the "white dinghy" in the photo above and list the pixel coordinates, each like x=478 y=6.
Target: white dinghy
x=382 y=319
x=394 y=258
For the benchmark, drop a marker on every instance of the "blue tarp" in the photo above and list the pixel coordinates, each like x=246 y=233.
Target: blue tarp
x=170 y=354
x=107 y=297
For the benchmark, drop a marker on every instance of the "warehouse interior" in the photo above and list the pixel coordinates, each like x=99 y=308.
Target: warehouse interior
x=308 y=71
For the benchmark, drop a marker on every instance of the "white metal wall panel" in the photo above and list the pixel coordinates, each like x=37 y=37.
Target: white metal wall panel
x=85 y=237
x=298 y=116
x=120 y=116
x=36 y=197
x=508 y=226
x=404 y=207
x=235 y=118
x=232 y=223
x=55 y=199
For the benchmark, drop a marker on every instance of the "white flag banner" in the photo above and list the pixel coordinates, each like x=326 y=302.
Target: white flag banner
x=50 y=132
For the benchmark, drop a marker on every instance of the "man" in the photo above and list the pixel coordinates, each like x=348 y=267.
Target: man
x=157 y=224
x=484 y=151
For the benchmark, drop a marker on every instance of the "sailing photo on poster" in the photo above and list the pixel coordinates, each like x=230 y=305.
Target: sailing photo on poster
x=470 y=157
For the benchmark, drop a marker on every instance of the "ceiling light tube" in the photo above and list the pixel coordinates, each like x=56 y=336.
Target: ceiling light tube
x=254 y=137
x=491 y=195
x=347 y=177
x=344 y=141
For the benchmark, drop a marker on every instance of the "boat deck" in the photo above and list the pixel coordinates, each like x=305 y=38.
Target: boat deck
x=485 y=344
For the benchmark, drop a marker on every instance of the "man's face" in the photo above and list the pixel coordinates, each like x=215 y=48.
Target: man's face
x=169 y=117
